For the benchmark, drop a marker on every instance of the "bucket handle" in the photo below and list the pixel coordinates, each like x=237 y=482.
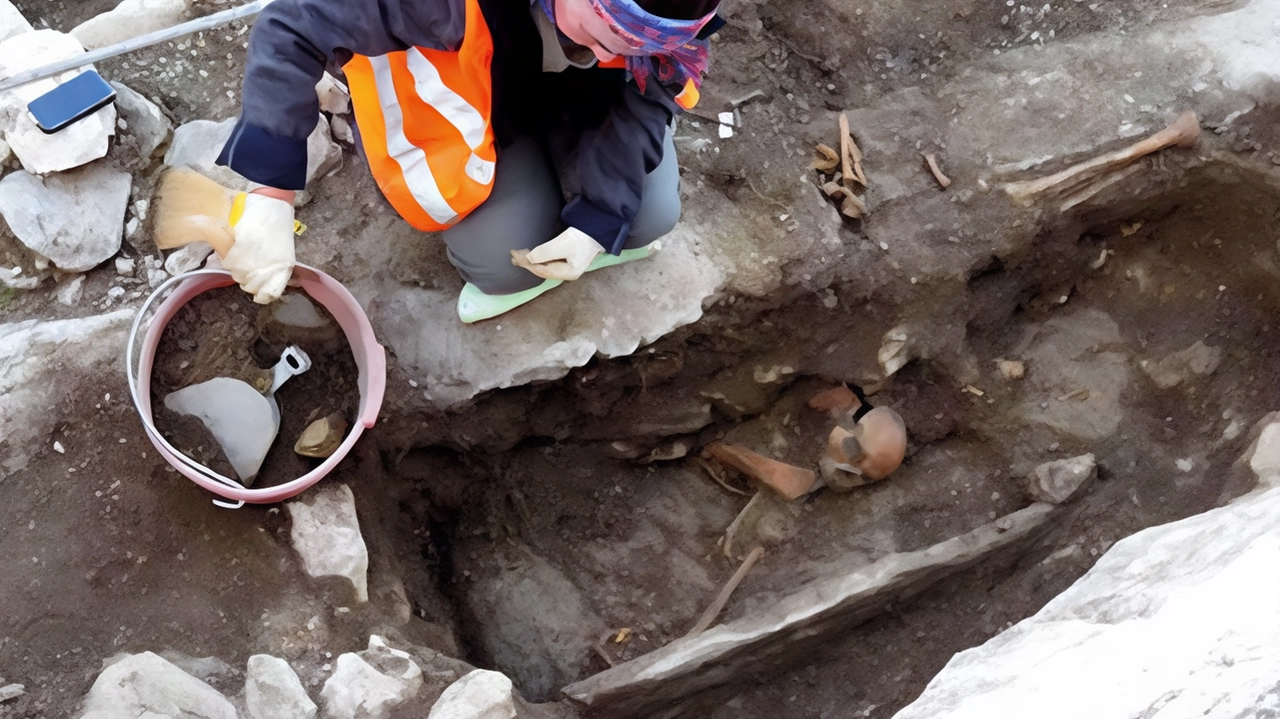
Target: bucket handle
x=132 y=373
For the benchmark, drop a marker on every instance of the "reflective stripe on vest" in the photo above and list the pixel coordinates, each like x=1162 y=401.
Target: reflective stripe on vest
x=424 y=118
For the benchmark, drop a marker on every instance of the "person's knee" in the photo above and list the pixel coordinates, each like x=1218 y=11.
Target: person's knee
x=655 y=220
x=493 y=273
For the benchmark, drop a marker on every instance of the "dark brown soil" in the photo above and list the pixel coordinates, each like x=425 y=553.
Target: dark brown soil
x=220 y=334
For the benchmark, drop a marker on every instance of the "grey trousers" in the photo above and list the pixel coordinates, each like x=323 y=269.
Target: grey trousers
x=523 y=211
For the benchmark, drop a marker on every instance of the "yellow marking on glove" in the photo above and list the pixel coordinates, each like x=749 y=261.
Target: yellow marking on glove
x=237 y=211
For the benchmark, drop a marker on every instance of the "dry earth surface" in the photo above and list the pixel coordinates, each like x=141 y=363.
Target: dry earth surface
x=512 y=528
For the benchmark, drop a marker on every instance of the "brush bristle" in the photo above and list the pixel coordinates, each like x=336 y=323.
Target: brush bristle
x=192 y=208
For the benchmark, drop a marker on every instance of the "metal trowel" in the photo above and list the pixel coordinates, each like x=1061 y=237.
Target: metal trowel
x=241 y=419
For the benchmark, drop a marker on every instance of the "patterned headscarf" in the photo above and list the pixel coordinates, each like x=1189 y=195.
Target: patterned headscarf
x=680 y=57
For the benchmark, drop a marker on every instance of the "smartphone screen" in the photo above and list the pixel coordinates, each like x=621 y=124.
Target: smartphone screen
x=74 y=99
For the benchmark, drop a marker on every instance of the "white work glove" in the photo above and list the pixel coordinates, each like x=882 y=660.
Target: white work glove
x=262 y=258
x=564 y=257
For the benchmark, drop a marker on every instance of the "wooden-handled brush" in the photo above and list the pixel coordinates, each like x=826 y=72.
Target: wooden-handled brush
x=192 y=208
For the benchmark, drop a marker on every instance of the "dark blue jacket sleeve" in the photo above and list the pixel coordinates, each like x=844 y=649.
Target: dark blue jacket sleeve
x=613 y=161
x=291 y=43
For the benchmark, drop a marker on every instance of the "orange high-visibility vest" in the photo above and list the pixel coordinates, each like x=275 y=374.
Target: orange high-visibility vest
x=425 y=123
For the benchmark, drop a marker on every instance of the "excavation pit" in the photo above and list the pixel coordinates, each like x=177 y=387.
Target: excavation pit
x=1147 y=341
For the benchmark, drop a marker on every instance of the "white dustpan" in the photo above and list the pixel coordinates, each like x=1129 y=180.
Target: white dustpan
x=243 y=421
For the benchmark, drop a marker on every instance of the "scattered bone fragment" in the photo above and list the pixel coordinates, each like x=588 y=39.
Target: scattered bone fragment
x=789 y=481
x=1055 y=482
x=731 y=532
x=869 y=452
x=322 y=437
x=1130 y=229
x=973 y=390
x=838 y=401
x=1011 y=369
x=942 y=179
x=895 y=350
x=709 y=616
x=717 y=476
x=851 y=205
x=1102 y=259
x=827 y=161
x=1079 y=182
x=850 y=155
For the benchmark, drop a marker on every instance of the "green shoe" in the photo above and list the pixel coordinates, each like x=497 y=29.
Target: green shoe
x=474 y=305
x=604 y=259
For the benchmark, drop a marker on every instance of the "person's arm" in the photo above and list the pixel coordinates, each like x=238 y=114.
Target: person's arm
x=291 y=43
x=613 y=161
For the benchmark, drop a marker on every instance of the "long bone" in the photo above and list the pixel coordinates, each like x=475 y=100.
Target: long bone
x=1075 y=184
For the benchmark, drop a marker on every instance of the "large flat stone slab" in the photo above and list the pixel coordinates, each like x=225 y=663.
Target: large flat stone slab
x=45 y=364
x=75 y=219
x=1179 y=620
x=650 y=684
x=145 y=685
x=84 y=141
x=611 y=312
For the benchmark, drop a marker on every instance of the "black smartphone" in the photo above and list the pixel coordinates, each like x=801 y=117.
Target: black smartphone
x=73 y=100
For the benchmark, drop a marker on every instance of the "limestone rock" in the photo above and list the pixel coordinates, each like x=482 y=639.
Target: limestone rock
x=75 y=219
x=147 y=124
x=82 y=142
x=334 y=96
x=197 y=145
x=323 y=154
x=129 y=19
x=188 y=258
x=326 y=533
x=1264 y=456
x=793 y=627
x=11 y=21
x=272 y=690
x=44 y=364
x=1178 y=620
x=633 y=305
x=144 y=685
x=14 y=279
x=369 y=684
x=342 y=131
x=1056 y=481
x=479 y=695
x=1197 y=360
x=70 y=290
x=11 y=691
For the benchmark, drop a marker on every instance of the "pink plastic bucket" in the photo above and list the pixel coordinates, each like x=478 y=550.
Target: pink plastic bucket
x=370 y=357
